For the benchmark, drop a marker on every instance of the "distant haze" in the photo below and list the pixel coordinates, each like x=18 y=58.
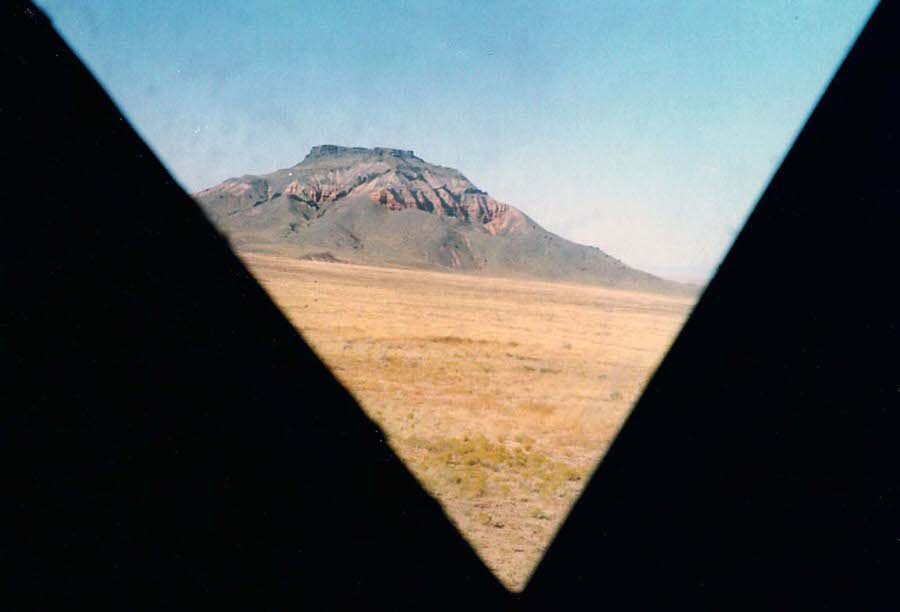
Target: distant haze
x=648 y=130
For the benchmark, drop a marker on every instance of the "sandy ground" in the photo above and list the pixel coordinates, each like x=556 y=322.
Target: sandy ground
x=501 y=395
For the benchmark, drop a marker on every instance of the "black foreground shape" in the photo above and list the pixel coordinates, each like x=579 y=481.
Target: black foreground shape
x=759 y=468
x=172 y=436
x=171 y=439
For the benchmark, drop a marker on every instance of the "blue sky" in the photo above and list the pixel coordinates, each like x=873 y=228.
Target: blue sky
x=648 y=129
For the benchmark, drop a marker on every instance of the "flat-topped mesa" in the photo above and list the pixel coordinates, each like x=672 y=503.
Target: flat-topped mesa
x=320 y=151
x=392 y=178
x=386 y=206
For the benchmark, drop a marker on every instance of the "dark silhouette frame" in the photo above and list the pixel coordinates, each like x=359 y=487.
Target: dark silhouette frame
x=171 y=441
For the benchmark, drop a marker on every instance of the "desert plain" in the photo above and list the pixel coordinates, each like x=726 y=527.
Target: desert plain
x=500 y=395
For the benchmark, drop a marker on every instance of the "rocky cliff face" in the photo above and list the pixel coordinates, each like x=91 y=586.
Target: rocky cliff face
x=389 y=207
x=393 y=178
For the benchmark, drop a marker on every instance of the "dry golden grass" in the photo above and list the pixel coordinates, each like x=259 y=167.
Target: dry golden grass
x=500 y=395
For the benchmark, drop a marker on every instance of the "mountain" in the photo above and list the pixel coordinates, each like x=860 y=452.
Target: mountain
x=388 y=207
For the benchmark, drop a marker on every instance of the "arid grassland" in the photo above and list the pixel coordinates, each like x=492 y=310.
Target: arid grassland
x=501 y=395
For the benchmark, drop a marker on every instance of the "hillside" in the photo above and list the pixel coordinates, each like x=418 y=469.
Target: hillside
x=388 y=207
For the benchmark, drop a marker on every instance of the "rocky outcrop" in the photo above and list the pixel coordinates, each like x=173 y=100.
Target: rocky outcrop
x=388 y=206
x=393 y=178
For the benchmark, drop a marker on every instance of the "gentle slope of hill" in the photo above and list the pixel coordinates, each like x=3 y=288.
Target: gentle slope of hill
x=388 y=207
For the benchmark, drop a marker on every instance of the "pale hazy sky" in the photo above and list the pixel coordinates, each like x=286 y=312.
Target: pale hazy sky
x=648 y=129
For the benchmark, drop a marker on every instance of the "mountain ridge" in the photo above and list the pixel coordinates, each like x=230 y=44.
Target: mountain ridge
x=386 y=206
